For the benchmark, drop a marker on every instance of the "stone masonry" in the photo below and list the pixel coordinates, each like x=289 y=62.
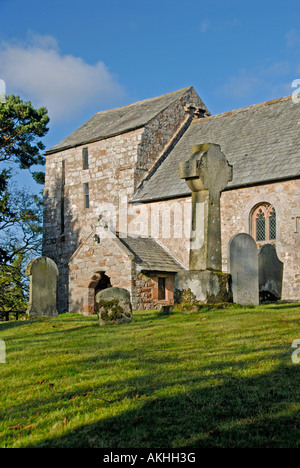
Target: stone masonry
x=116 y=165
x=236 y=208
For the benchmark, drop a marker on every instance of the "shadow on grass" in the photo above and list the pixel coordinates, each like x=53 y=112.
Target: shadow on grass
x=261 y=411
x=276 y=306
x=12 y=324
x=187 y=405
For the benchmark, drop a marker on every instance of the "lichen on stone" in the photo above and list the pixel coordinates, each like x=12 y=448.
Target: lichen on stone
x=110 y=310
x=113 y=306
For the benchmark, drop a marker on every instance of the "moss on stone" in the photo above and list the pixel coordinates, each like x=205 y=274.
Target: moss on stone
x=198 y=307
x=224 y=294
x=184 y=296
x=110 y=310
x=113 y=306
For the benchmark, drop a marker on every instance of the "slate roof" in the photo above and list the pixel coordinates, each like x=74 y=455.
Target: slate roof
x=113 y=122
x=149 y=255
x=262 y=142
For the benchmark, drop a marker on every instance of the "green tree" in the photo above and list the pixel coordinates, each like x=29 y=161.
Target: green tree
x=20 y=224
x=13 y=285
x=21 y=129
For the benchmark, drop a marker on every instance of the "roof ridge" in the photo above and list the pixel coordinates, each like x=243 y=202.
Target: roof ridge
x=146 y=100
x=243 y=109
x=129 y=118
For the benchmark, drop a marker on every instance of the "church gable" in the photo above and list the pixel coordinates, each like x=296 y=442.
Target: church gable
x=109 y=123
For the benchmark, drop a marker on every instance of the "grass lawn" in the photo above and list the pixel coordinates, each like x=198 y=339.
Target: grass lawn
x=216 y=378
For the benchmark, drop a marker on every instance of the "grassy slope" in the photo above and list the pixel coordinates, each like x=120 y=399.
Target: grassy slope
x=219 y=378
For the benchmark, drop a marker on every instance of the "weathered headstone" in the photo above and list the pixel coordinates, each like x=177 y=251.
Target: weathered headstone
x=270 y=274
x=2 y=352
x=43 y=274
x=207 y=172
x=243 y=267
x=113 y=306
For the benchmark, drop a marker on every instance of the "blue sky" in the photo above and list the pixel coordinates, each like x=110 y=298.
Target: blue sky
x=81 y=57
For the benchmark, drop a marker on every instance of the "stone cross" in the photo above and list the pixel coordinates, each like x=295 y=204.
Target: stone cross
x=207 y=172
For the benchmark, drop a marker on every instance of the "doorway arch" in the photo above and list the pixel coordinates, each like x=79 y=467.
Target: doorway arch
x=98 y=282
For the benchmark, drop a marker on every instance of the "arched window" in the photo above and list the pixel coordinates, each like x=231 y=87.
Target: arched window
x=263 y=224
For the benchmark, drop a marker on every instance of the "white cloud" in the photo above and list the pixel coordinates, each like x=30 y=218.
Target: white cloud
x=65 y=84
x=271 y=80
x=277 y=69
x=218 y=27
x=240 y=86
x=43 y=41
x=205 y=26
x=292 y=38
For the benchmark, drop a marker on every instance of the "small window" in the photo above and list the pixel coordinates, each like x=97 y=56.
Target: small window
x=85 y=158
x=86 y=195
x=260 y=221
x=161 y=288
x=263 y=224
x=272 y=224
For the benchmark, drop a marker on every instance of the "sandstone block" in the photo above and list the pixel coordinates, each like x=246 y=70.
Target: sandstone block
x=201 y=287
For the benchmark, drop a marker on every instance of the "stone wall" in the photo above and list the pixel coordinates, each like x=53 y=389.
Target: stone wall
x=110 y=177
x=168 y=221
x=161 y=131
x=143 y=299
x=236 y=206
x=146 y=290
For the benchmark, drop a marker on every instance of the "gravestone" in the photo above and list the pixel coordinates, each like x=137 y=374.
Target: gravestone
x=113 y=306
x=270 y=274
x=243 y=267
x=207 y=172
x=43 y=274
x=2 y=352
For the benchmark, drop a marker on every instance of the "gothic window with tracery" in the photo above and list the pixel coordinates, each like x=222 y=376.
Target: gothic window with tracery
x=263 y=224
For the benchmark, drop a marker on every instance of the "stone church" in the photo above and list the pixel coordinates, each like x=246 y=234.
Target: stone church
x=116 y=212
